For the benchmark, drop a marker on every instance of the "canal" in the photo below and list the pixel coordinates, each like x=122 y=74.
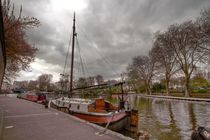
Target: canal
x=169 y=119
x=166 y=119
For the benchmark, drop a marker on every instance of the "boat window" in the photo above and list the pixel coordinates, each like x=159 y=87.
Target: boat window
x=78 y=106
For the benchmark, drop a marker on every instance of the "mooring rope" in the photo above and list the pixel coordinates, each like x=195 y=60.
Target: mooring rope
x=107 y=125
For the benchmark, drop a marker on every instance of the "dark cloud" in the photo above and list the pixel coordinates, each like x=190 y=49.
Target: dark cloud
x=110 y=32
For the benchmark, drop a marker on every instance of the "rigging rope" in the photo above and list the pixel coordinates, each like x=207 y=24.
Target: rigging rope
x=77 y=67
x=69 y=45
x=80 y=57
x=105 y=59
x=65 y=63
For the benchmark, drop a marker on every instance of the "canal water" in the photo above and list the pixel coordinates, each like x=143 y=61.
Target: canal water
x=166 y=119
x=169 y=119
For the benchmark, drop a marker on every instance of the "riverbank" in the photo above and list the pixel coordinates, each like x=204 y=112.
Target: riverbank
x=23 y=120
x=176 y=98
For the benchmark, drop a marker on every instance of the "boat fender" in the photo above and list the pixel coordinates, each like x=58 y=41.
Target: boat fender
x=46 y=103
x=143 y=135
x=201 y=134
x=126 y=105
x=134 y=118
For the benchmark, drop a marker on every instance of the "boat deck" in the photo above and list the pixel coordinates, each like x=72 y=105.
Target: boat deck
x=24 y=120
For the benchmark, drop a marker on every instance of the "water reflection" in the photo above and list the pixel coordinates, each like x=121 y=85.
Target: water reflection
x=170 y=119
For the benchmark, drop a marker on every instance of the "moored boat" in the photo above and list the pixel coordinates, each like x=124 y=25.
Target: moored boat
x=33 y=96
x=96 y=111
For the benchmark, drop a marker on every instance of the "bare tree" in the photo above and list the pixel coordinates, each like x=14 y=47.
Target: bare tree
x=99 y=79
x=91 y=81
x=204 y=20
x=187 y=42
x=143 y=66
x=133 y=79
x=64 y=81
x=82 y=82
x=165 y=57
x=32 y=85
x=19 y=53
x=23 y=84
x=44 y=81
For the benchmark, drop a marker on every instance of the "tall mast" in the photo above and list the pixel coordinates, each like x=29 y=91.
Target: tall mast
x=72 y=55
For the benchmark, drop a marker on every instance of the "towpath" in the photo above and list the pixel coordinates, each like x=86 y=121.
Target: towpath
x=25 y=120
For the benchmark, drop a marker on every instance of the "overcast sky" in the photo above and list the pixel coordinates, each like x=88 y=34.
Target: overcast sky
x=110 y=32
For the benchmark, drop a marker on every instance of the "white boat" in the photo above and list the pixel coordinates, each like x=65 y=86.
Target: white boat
x=96 y=111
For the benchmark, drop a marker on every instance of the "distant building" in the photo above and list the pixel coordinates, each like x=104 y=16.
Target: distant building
x=20 y=84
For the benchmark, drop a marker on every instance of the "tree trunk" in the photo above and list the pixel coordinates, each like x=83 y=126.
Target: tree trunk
x=167 y=76
x=187 y=86
x=147 y=90
x=147 y=87
x=167 y=87
x=150 y=92
x=150 y=89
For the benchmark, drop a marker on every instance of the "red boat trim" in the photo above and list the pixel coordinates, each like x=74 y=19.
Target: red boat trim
x=101 y=119
x=98 y=118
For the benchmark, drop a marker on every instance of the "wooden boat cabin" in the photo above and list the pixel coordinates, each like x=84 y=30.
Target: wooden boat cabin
x=98 y=105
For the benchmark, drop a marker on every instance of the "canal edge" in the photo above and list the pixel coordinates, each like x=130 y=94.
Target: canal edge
x=176 y=98
x=100 y=128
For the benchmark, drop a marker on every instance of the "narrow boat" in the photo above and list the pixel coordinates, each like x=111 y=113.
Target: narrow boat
x=96 y=111
x=33 y=96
